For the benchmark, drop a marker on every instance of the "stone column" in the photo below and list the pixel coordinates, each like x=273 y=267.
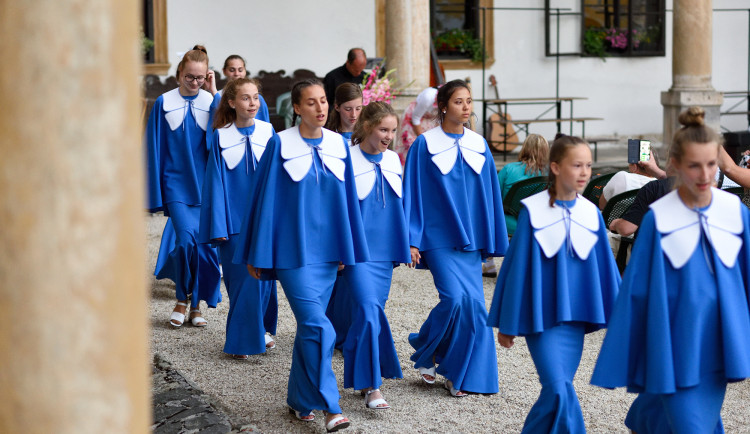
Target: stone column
x=74 y=339
x=691 y=66
x=407 y=46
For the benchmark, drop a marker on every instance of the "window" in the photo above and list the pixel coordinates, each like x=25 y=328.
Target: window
x=622 y=27
x=154 y=25
x=456 y=28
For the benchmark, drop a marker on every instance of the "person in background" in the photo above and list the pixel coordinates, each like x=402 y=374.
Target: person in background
x=353 y=71
x=636 y=177
x=176 y=164
x=347 y=106
x=678 y=331
x=239 y=142
x=421 y=115
x=455 y=214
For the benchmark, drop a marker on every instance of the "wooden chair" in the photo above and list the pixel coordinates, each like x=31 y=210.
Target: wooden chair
x=595 y=186
x=614 y=209
x=521 y=190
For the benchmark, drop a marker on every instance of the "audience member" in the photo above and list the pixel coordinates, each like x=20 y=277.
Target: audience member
x=636 y=177
x=421 y=115
x=353 y=71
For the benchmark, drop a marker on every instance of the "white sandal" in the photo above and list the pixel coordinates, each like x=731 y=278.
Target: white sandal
x=453 y=391
x=197 y=321
x=427 y=371
x=177 y=318
x=337 y=423
x=269 y=340
x=373 y=405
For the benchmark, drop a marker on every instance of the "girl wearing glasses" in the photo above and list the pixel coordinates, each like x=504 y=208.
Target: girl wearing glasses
x=177 y=153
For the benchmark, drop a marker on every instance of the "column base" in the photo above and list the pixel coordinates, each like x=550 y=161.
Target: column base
x=676 y=101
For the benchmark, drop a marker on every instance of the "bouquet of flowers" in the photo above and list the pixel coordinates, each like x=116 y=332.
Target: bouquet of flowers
x=376 y=88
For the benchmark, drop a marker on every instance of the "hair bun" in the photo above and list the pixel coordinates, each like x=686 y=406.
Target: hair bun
x=694 y=116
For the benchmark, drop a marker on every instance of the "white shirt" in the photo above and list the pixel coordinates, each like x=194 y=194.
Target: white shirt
x=624 y=181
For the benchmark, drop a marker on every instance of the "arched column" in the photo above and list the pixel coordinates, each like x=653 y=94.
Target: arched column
x=74 y=339
x=691 y=66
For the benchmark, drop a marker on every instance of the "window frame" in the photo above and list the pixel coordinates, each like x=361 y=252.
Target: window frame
x=158 y=26
x=628 y=14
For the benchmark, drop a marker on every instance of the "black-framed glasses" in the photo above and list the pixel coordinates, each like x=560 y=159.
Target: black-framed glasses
x=200 y=78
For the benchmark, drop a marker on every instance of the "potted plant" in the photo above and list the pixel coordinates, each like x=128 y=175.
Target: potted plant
x=459 y=43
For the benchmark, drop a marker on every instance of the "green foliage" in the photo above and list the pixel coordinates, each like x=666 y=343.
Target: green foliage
x=146 y=43
x=462 y=41
x=594 y=42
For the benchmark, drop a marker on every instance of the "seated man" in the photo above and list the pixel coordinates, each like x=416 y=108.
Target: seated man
x=648 y=194
x=638 y=175
x=353 y=71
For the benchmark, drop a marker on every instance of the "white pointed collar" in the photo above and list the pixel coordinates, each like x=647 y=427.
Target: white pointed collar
x=175 y=108
x=550 y=228
x=232 y=142
x=444 y=149
x=681 y=227
x=299 y=155
x=365 y=173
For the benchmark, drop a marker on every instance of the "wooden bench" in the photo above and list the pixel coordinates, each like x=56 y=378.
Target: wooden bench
x=523 y=125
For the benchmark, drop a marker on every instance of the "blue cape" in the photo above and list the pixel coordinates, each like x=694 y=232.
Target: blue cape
x=294 y=224
x=669 y=326
x=534 y=293
x=461 y=210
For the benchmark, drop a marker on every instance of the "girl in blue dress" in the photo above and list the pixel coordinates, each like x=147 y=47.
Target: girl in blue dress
x=455 y=216
x=177 y=153
x=679 y=330
x=369 y=352
x=557 y=282
x=344 y=114
x=305 y=222
x=239 y=141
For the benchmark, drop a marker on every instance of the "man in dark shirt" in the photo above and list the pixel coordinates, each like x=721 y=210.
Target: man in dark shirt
x=648 y=194
x=350 y=72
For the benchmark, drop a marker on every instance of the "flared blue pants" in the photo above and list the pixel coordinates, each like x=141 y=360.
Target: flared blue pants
x=312 y=383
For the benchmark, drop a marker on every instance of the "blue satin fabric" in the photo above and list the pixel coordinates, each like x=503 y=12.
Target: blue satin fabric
x=556 y=353
x=369 y=352
x=193 y=267
x=456 y=333
x=249 y=305
x=312 y=383
x=672 y=329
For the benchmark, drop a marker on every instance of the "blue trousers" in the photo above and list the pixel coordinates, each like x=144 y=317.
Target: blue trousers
x=689 y=410
x=556 y=353
x=248 y=305
x=312 y=383
x=369 y=352
x=456 y=334
x=193 y=267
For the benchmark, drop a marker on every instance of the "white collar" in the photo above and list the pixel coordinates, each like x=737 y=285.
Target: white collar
x=550 y=228
x=681 y=227
x=299 y=155
x=175 y=108
x=444 y=149
x=365 y=173
x=232 y=142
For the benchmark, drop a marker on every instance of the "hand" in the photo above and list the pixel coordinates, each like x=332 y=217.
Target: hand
x=341 y=266
x=415 y=257
x=651 y=168
x=210 y=83
x=255 y=272
x=504 y=340
x=219 y=240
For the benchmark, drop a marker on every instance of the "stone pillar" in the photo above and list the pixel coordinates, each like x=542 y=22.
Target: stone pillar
x=407 y=46
x=74 y=339
x=691 y=66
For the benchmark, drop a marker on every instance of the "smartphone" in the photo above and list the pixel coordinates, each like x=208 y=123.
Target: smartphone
x=638 y=150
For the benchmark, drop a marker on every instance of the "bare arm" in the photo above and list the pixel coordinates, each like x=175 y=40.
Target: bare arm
x=733 y=171
x=622 y=227
x=651 y=168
